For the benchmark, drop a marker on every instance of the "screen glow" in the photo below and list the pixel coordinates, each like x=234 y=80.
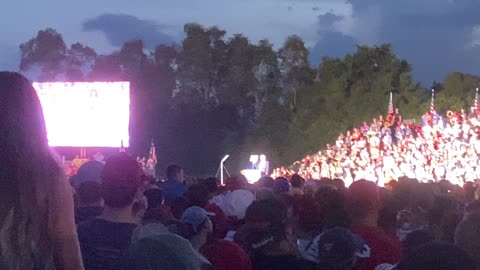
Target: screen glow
x=86 y=114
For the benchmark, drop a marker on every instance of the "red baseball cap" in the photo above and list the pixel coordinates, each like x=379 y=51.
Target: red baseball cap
x=226 y=255
x=363 y=192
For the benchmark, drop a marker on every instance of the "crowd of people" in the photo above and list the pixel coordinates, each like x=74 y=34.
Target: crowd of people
x=119 y=218
x=128 y=221
x=387 y=149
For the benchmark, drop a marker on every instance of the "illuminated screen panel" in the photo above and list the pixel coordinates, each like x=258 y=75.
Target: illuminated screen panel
x=86 y=114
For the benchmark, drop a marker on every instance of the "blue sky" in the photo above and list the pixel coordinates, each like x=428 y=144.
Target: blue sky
x=436 y=36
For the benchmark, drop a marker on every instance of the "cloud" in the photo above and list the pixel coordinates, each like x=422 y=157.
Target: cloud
x=10 y=57
x=120 y=28
x=436 y=36
x=331 y=44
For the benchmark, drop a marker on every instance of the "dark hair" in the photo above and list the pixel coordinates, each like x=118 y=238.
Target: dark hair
x=361 y=199
x=445 y=216
x=172 y=171
x=297 y=181
x=121 y=180
x=272 y=211
x=154 y=198
x=89 y=192
x=437 y=256
x=236 y=182
x=310 y=218
x=211 y=184
x=198 y=195
x=187 y=230
x=415 y=240
x=331 y=204
x=339 y=183
x=328 y=197
x=266 y=182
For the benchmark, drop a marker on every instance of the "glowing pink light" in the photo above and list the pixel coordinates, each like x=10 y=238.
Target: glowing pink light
x=86 y=114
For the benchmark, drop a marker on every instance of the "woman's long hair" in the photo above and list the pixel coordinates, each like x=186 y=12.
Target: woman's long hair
x=29 y=177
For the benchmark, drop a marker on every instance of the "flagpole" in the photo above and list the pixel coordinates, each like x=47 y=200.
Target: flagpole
x=432 y=104
x=475 y=103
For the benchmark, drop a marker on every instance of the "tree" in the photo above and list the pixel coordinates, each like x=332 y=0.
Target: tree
x=47 y=50
x=165 y=58
x=295 y=67
x=195 y=65
x=349 y=91
x=50 y=54
x=210 y=95
x=79 y=61
x=240 y=74
x=457 y=92
x=107 y=68
x=267 y=75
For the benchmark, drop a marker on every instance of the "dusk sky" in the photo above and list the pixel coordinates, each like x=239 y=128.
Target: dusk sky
x=436 y=36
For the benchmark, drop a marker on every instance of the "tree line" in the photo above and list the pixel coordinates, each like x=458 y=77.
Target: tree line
x=213 y=94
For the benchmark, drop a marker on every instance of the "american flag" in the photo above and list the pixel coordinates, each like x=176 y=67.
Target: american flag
x=432 y=104
x=390 y=105
x=475 y=103
x=153 y=153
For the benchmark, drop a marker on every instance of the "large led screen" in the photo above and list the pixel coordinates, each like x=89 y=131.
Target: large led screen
x=86 y=114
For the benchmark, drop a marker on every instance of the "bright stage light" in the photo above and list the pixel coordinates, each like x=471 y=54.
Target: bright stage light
x=252 y=175
x=86 y=114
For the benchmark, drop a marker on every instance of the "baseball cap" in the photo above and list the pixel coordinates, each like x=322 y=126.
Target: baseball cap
x=195 y=216
x=227 y=255
x=337 y=246
x=121 y=180
x=89 y=171
x=363 y=191
x=121 y=170
x=167 y=251
x=235 y=203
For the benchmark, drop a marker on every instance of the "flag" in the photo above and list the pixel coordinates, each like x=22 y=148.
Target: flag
x=475 y=103
x=432 y=104
x=391 y=109
x=153 y=153
x=390 y=120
